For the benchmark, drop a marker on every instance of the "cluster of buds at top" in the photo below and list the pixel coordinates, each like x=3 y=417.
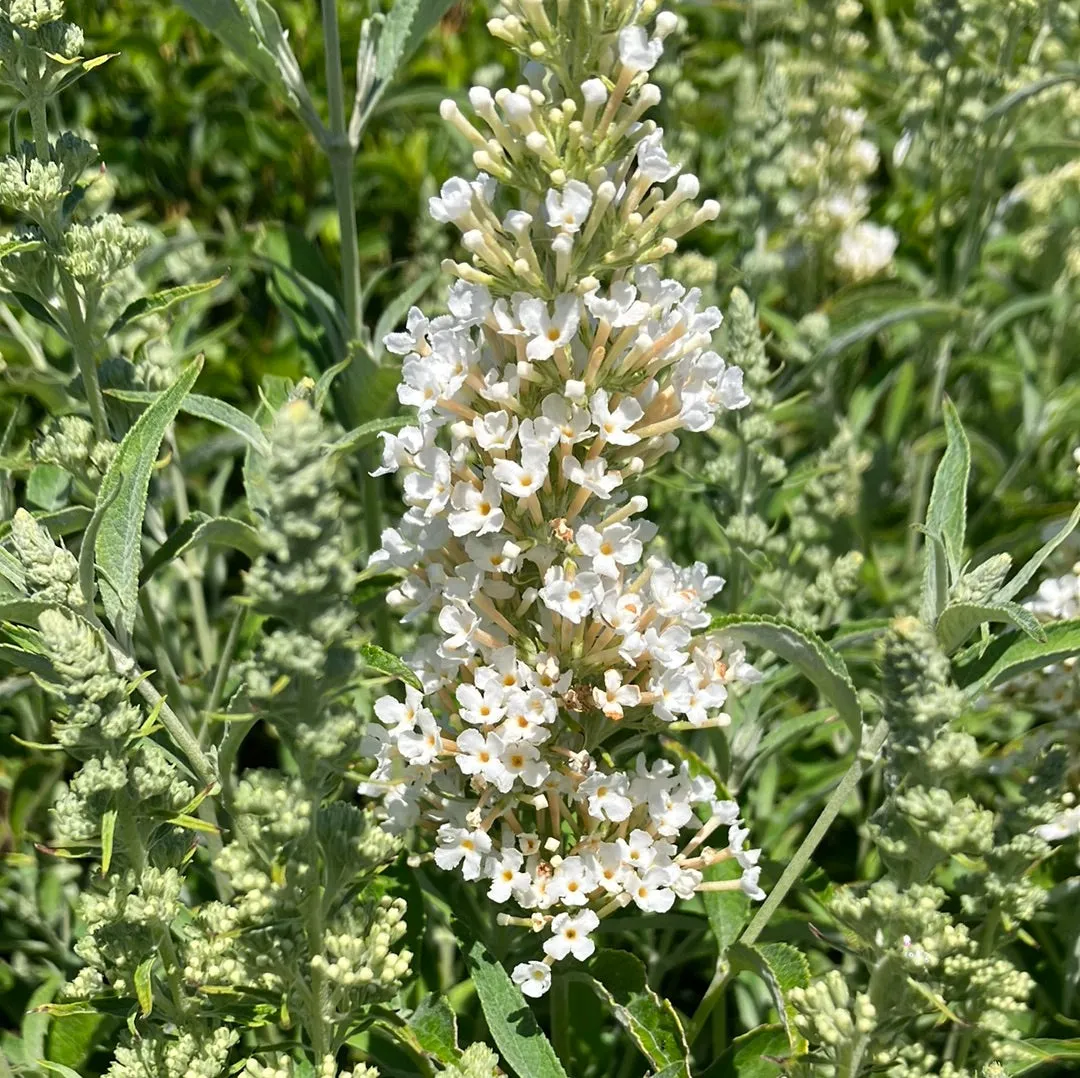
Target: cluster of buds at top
x=565 y=367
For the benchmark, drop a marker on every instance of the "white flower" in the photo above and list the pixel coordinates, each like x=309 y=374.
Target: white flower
x=865 y=249
x=421 y=746
x=458 y=846
x=572 y=883
x=652 y=891
x=606 y=795
x=570 y=597
x=548 y=331
x=568 y=208
x=1061 y=827
x=521 y=759
x=570 y=935
x=480 y=754
x=614 y=546
x=477 y=511
x=592 y=475
x=413 y=339
x=525 y=479
x=636 y=51
x=652 y=158
x=495 y=430
x=620 y=307
x=506 y=875
x=533 y=978
x=614 y=696
x=453 y=203
x=614 y=425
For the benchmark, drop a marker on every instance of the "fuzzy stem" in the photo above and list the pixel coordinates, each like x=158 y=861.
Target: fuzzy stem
x=851 y=778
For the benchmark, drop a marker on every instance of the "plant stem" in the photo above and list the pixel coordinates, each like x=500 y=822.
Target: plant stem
x=204 y=634
x=843 y=791
x=341 y=154
x=713 y=994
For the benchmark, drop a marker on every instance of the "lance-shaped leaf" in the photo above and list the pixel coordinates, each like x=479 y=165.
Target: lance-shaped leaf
x=959 y=620
x=753 y=1055
x=209 y=408
x=1009 y=657
x=381 y=660
x=1015 y=586
x=804 y=650
x=946 y=515
x=366 y=433
x=123 y=491
x=509 y=1018
x=202 y=530
x=619 y=979
x=159 y=302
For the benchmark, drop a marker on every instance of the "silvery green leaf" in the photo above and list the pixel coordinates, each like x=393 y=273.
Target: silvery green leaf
x=124 y=490
x=1020 y=581
x=946 y=514
x=958 y=621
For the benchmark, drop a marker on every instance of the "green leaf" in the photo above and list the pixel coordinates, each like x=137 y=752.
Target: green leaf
x=873 y=326
x=251 y=29
x=1023 y=93
x=510 y=1020
x=58 y=1068
x=73 y=1037
x=1009 y=657
x=1007 y=312
x=619 y=979
x=366 y=433
x=1028 y=1056
x=728 y=911
x=434 y=1026
x=124 y=491
x=161 y=301
x=394 y=35
x=202 y=530
x=947 y=513
x=752 y=1055
x=1020 y=581
x=108 y=834
x=17 y=247
x=404 y=31
x=959 y=620
x=804 y=650
x=375 y=657
x=144 y=985
x=47 y=486
x=209 y=408
x=935 y=587
x=782 y=967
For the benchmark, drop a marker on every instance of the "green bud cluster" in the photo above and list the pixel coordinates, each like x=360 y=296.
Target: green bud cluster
x=303 y=665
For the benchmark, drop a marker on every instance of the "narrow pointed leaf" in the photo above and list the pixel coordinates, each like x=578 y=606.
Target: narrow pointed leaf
x=202 y=530
x=946 y=514
x=510 y=1020
x=1008 y=657
x=375 y=657
x=158 y=302
x=960 y=620
x=1015 y=586
x=123 y=491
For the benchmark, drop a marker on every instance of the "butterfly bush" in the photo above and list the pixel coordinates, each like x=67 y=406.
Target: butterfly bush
x=565 y=366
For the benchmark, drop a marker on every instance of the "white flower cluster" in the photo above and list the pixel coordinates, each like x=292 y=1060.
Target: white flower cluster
x=565 y=367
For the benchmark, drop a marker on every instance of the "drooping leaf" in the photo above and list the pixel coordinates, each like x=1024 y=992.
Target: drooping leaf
x=510 y=1020
x=1028 y=1056
x=379 y=659
x=209 y=408
x=1017 y=584
x=434 y=1026
x=1009 y=656
x=158 y=302
x=108 y=835
x=805 y=650
x=619 y=978
x=202 y=530
x=124 y=490
x=366 y=433
x=946 y=514
x=959 y=620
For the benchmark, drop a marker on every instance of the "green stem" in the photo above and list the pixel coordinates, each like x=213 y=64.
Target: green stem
x=178 y=730
x=713 y=994
x=204 y=634
x=82 y=346
x=342 y=155
x=161 y=654
x=854 y=773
